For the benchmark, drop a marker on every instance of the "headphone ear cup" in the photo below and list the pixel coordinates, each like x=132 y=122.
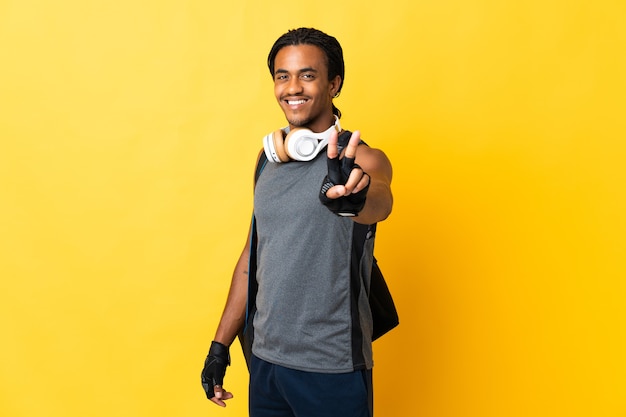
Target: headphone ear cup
x=279 y=146
x=291 y=136
x=302 y=144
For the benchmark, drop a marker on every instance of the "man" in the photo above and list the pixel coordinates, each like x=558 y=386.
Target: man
x=315 y=221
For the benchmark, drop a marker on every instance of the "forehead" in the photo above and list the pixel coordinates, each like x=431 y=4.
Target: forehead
x=297 y=57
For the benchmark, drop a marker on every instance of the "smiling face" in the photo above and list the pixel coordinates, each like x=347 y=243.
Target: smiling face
x=302 y=87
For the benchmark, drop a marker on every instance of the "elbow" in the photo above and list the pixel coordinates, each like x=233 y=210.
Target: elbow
x=387 y=208
x=376 y=210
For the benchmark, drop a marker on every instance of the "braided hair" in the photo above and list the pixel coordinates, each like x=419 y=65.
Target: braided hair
x=309 y=36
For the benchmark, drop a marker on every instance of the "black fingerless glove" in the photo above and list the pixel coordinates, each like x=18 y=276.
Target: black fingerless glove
x=215 y=368
x=338 y=172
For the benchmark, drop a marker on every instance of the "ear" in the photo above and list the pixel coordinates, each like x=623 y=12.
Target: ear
x=334 y=85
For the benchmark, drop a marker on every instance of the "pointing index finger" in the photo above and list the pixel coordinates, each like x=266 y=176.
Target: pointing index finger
x=355 y=139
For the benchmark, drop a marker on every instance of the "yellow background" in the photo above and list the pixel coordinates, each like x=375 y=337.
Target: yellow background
x=128 y=135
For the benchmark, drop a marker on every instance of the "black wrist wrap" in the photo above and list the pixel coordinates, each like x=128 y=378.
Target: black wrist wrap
x=215 y=368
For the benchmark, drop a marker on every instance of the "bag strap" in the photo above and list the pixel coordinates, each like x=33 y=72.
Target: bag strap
x=259 y=166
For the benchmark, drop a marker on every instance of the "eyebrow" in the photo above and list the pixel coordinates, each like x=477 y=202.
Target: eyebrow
x=301 y=70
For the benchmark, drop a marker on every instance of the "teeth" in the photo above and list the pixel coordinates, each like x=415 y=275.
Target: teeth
x=295 y=102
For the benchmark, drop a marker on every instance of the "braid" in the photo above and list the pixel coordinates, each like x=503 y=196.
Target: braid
x=308 y=36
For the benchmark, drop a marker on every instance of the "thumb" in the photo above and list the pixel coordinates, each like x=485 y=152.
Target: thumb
x=336 y=192
x=218 y=391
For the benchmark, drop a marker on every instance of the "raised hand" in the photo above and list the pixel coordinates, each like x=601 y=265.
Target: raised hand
x=345 y=187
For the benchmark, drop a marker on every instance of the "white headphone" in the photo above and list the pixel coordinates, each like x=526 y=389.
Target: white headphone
x=300 y=144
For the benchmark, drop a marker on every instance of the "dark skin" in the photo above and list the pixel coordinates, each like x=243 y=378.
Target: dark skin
x=305 y=94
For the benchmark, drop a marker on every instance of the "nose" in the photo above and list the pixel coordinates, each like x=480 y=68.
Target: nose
x=294 y=86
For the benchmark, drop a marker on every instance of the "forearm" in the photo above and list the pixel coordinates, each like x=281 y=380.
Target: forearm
x=379 y=199
x=234 y=314
x=378 y=204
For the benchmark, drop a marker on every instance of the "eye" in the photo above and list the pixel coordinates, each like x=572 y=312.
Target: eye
x=308 y=76
x=280 y=77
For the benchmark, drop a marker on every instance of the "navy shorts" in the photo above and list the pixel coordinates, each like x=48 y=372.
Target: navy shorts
x=276 y=391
